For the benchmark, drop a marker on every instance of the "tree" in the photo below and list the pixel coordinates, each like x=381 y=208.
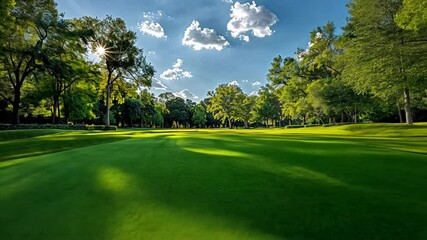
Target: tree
x=412 y=15
x=66 y=64
x=245 y=109
x=131 y=110
x=199 y=117
x=268 y=105
x=157 y=118
x=223 y=103
x=116 y=45
x=22 y=50
x=380 y=57
x=178 y=112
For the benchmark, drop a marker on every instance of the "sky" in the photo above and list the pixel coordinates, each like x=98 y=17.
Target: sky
x=195 y=45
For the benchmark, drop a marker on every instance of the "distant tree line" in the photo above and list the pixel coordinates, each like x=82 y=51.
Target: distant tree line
x=375 y=70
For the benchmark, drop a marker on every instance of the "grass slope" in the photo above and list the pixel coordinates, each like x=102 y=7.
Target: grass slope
x=345 y=182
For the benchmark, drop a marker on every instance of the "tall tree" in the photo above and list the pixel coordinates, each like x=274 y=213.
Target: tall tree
x=268 y=105
x=65 y=62
x=22 y=50
x=199 y=116
x=121 y=58
x=223 y=103
x=381 y=56
x=245 y=111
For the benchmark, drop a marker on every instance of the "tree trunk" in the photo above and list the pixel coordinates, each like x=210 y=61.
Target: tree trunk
x=55 y=109
x=246 y=124
x=229 y=123
x=16 y=102
x=408 y=111
x=107 y=103
x=355 y=115
x=399 y=110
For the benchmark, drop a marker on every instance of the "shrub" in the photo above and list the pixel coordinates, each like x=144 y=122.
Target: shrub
x=101 y=127
x=295 y=126
x=57 y=126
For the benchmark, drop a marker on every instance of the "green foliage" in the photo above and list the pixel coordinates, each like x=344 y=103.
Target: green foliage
x=380 y=57
x=413 y=15
x=267 y=105
x=199 y=117
x=56 y=126
x=121 y=59
x=178 y=112
x=23 y=50
x=224 y=102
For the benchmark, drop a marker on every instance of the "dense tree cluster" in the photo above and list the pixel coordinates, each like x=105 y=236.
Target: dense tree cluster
x=376 y=70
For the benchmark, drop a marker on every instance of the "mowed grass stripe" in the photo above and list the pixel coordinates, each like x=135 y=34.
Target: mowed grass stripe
x=217 y=185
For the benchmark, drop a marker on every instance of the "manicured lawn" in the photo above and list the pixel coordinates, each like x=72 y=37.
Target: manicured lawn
x=347 y=182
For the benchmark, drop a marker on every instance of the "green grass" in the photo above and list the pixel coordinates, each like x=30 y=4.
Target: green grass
x=345 y=182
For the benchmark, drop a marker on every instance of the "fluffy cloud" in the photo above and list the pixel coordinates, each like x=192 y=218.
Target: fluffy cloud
x=153 y=15
x=158 y=85
x=245 y=81
x=234 y=83
x=206 y=38
x=227 y=1
x=248 y=17
x=257 y=83
x=176 y=72
x=254 y=93
x=153 y=29
x=186 y=94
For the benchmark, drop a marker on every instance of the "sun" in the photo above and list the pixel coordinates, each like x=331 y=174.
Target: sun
x=100 y=50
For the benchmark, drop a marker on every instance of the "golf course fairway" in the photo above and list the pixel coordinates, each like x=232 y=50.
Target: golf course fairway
x=344 y=182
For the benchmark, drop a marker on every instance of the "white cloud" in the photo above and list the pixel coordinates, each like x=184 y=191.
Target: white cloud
x=234 y=83
x=256 y=83
x=206 y=38
x=153 y=15
x=186 y=94
x=176 y=72
x=158 y=85
x=153 y=29
x=254 y=93
x=227 y=1
x=151 y=53
x=248 y=17
x=245 y=81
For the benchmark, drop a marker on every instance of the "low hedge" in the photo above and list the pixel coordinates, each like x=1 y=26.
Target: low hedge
x=337 y=124
x=101 y=127
x=295 y=126
x=57 y=126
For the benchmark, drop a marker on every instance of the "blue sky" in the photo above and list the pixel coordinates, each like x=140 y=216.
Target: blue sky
x=196 y=45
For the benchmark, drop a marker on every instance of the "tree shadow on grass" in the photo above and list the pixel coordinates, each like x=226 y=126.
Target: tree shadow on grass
x=30 y=147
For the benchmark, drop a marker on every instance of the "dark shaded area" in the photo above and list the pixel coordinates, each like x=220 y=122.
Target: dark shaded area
x=30 y=147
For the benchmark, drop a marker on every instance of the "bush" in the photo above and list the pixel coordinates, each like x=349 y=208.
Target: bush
x=313 y=125
x=295 y=126
x=101 y=127
x=337 y=124
x=57 y=126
